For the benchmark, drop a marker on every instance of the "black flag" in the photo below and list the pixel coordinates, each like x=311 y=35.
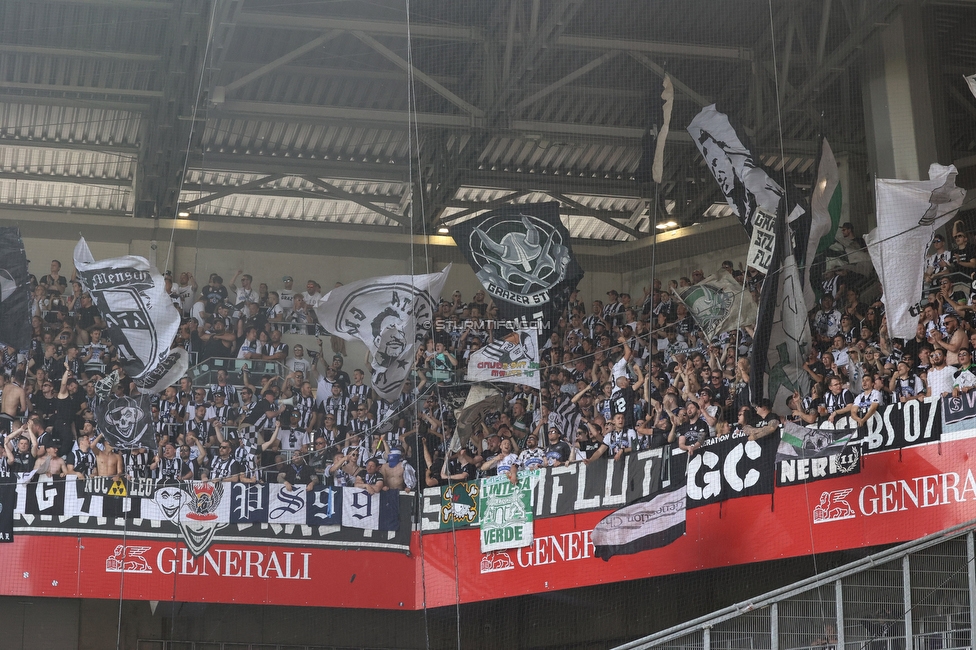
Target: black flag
x=522 y=256
x=8 y=502
x=126 y=422
x=15 y=328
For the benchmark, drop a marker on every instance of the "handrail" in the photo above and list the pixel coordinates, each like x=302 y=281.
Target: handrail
x=732 y=611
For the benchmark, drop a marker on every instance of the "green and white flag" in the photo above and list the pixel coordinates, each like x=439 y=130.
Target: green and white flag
x=718 y=304
x=506 y=512
x=825 y=208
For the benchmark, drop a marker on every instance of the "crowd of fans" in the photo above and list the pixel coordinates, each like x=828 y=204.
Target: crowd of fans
x=617 y=375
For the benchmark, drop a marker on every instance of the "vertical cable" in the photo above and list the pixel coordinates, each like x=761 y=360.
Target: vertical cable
x=411 y=120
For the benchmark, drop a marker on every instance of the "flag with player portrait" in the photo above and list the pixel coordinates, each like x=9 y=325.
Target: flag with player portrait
x=745 y=184
x=391 y=315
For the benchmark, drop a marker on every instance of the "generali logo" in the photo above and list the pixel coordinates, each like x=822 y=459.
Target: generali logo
x=550 y=549
x=223 y=563
x=889 y=497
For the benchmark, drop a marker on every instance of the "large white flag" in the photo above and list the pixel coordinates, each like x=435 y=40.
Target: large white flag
x=513 y=358
x=391 y=315
x=141 y=320
x=908 y=213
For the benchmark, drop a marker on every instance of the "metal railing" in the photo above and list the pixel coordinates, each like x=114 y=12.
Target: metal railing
x=920 y=595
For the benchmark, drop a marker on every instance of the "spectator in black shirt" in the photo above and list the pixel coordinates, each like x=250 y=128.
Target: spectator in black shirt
x=370 y=478
x=298 y=474
x=459 y=467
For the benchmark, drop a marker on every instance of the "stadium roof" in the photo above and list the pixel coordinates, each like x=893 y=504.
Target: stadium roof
x=299 y=112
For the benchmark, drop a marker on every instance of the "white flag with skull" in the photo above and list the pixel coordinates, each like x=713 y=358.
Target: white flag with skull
x=391 y=315
x=126 y=422
x=141 y=320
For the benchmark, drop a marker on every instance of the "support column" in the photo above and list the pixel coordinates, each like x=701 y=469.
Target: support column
x=904 y=111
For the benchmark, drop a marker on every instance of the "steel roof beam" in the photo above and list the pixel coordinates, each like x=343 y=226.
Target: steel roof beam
x=124 y=150
x=74 y=180
x=479 y=206
x=148 y=5
x=355 y=198
x=89 y=90
x=571 y=77
x=313 y=44
x=597 y=214
x=428 y=81
x=651 y=47
x=12 y=48
x=228 y=190
x=379 y=27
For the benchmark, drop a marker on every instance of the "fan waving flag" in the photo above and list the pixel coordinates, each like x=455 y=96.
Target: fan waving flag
x=908 y=214
x=141 y=320
x=126 y=422
x=15 y=327
x=718 y=304
x=388 y=315
x=521 y=255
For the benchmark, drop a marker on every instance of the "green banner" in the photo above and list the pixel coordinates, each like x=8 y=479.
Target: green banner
x=506 y=512
x=459 y=505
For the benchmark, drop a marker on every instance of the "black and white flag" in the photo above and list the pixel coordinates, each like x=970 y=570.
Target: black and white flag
x=522 y=256
x=8 y=503
x=642 y=526
x=908 y=214
x=126 y=422
x=744 y=182
x=15 y=328
x=141 y=320
x=390 y=315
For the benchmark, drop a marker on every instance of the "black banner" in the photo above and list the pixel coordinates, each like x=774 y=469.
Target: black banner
x=731 y=466
x=809 y=470
x=15 y=327
x=578 y=487
x=126 y=422
x=8 y=503
x=902 y=425
x=957 y=409
x=522 y=256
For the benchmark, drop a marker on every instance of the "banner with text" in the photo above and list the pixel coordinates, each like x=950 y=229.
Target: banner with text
x=731 y=466
x=506 y=512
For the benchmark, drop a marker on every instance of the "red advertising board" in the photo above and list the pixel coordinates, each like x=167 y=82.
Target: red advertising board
x=898 y=495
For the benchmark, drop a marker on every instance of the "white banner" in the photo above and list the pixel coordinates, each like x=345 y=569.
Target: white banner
x=141 y=320
x=513 y=359
x=391 y=315
x=763 y=241
x=908 y=213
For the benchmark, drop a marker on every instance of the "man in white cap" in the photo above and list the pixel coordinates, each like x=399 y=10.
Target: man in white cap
x=286 y=296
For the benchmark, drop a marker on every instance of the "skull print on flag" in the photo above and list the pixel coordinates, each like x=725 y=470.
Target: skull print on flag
x=126 y=422
x=522 y=256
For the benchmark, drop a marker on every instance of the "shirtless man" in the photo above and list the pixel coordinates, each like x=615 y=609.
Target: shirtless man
x=13 y=404
x=109 y=463
x=392 y=471
x=50 y=464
